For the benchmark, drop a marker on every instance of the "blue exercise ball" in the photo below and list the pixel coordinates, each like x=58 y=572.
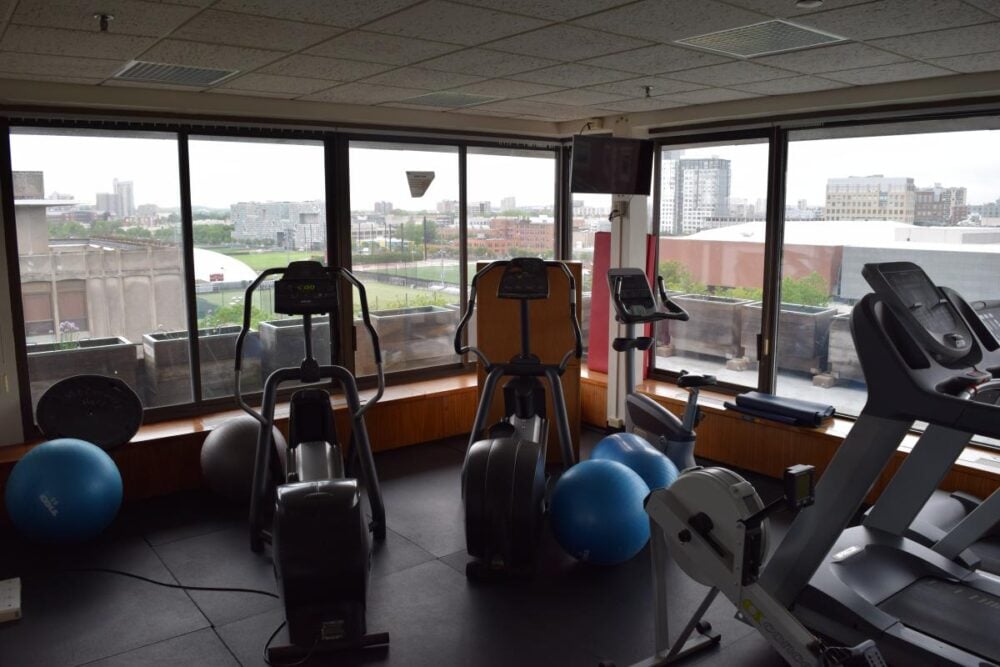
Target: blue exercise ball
x=63 y=491
x=652 y=465
x=597 y=512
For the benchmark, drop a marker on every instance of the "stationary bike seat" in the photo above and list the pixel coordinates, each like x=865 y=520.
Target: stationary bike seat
x=687 y=380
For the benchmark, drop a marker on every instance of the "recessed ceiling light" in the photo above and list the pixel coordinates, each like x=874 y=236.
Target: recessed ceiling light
x=808 y=4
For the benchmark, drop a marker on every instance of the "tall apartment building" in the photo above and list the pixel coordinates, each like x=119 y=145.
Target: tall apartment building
x=940 y=206
x=299 y=225
x=125 y=196
x=383 y=207
x=693 y=191
x=107 y=203
x=871 y=198
x=508 y=203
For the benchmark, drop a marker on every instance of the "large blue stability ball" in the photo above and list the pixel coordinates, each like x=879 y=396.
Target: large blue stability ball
x=652 y=465
x=63 y=491
x=597 y=512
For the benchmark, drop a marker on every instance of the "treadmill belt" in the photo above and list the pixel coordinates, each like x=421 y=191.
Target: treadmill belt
x=955 y=614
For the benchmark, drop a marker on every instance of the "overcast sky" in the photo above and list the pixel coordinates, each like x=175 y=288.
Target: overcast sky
x=225 y=172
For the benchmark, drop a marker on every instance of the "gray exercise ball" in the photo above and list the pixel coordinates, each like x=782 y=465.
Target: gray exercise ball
x=227 y=457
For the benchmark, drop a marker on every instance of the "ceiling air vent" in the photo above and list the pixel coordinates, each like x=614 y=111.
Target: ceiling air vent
x=449 y=100
x=180 y=75
x=761 y=39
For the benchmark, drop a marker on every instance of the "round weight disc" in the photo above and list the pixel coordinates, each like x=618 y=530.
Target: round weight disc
x=96 y=408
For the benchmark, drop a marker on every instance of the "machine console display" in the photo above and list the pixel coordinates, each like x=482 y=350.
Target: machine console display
x=305 y=289
x=922 y=308
x=524 y=278
x=631 y=294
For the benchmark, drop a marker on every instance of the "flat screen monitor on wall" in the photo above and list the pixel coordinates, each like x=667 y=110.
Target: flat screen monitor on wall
x=603 y=165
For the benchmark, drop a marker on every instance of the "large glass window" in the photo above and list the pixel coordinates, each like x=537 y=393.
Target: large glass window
x=589 y=217
x=98 y=235
x=712 y=207
x=916 y=193
x=405 y=248
x=256 y=204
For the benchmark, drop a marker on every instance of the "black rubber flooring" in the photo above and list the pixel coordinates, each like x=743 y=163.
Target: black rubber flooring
x=570 y=614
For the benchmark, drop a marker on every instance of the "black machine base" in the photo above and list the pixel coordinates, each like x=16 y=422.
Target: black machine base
x=290 y=654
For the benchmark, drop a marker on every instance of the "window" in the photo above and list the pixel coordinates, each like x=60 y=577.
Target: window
x=944 y=214
x=256 y=204
x=712 y=207
x=405 y=248
x=97 y=218
x=589 y=217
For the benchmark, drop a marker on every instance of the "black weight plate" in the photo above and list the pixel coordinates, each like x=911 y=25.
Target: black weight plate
x=96 y=408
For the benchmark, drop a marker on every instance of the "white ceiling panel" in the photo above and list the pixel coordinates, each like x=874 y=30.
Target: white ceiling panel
x=887 y=73
x=789 y=8
x=425 y=79
x=121 y=83
x=642 y=104
x=566 y=42
x=572 y=75
x=254 y=93
x=636 y=87
x=980 y=62
x=667 y=20
x=478 y=111
x=831 y=58
x=247 y=30
x=443 y=21
x=506 y=88
x=945 y=43
x=271 y=83
x=888 y=18
x=796 y=84
x=17 y=76
x=730 y=73
x=711 y=95
x=484 y=62
x=363 y=93
x=347 y=13
x=991 y=6
x=578 y=97
x=315 y=67
x=132 y=17
x=555 y=10
x=61 y=66
x=58 y=42
x=380 y=48
x=658 y=59
x=198 y=54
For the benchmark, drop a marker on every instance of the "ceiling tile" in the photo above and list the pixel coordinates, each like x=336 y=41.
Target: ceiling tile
x=566 y=42
x=887 y=18
x=217 y=27
x=980 y=62
x=667 y=20
x=831 y=58
x=254 y=93
x=315 y=67
x=635 y=87
x=8 y=76
x=555 y=10
x=363 y=93
x=578 y=97
x=484 y=62
x=378 y=48
x=710 y=95
x=730 y=73
x=61 y=66
x=347 y=13
x=527 y=107
x=991 y=6
x=887 y=73
x=146 y=85
x=642 y=104
x=945 y=43
x=270 y=83
x=572 y=75
x=657 y=59
x=426 y=79
x=197 y=54
x=796 y=84
x=789 y=8
x=506 y=88
x=476 y=111
x=58 y=42
x=132 y=17
x=444 y=21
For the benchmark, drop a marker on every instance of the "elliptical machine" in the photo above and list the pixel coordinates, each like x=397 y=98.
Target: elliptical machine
x=318 y=531
x=635 y=304
x=503 y=476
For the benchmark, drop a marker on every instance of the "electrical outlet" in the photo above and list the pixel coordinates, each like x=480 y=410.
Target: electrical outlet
x=10 y=599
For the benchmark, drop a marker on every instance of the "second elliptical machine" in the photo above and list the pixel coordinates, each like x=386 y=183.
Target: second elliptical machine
x=503 y=477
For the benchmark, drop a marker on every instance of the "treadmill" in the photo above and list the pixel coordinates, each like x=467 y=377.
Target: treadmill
x=927 y=357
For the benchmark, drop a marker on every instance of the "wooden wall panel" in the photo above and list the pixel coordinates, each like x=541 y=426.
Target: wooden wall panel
x=498 y=336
